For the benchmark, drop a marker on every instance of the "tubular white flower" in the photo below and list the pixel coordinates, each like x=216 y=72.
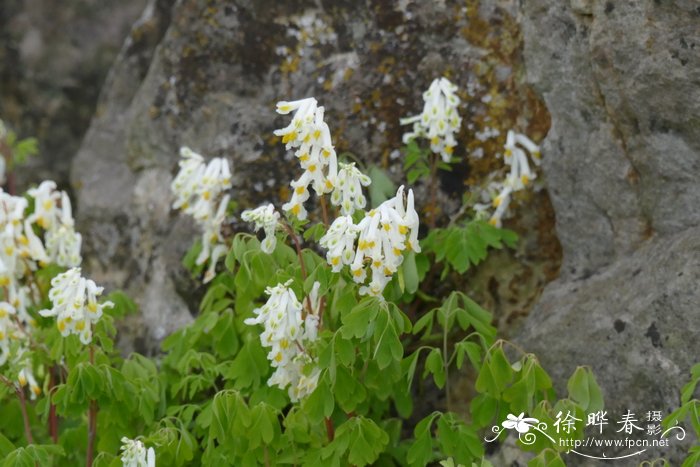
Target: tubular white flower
x=347 y=191
x=135 y=454
x=339 y=240
x=382 y=237
x=440 y=119
x=75 y=305
x=27 y=376
x=266 y=218
x=285 y=333
x=46 y=199
x=519 y=176
x=311 y=138
x=198 y=185
x=199 y=191
x=62 y=241
x=7 y=329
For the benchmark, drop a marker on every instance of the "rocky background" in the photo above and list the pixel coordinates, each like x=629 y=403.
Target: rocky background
x=611 y=88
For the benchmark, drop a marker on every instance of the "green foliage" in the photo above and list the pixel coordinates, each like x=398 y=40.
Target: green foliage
x=207 y=399
x=688 y=410
x=459 y=247
x=19 y=149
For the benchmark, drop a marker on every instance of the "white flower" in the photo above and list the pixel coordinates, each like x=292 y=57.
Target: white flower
x=199 y=191
x=198 y=185
x=339 y=240
x=266 y=218
x=285 y=333
x=27 y=376
x=347 y=191
x=440 y=119
x=46 y=199
x=519 y=176
x=520 y=173
x=135 y=454
x=382 y=237
x=311 y=137
x=75 y=304
x=7 y=329
x=213 y=247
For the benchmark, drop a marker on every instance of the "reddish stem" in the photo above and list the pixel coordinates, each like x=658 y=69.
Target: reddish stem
x=324 y=211
x=330 y=429
x=23 y=407
x=25 y=416
x=297 y=246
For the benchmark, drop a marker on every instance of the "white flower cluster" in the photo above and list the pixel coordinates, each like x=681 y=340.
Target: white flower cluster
x=75 y=305
x=440 y=119
x=12 y=330
x=199 y=190
x=22 y=250
x=310 y=136
x=53 y=213
x=134 y=454
x=382 y=237
x=518 y=178
x=288 y=330
x=348 y=189
x=266 y=218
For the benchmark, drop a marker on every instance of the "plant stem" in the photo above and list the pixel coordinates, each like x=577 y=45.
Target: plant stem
x=446 y=365
x=25 y=416
x=23 y=407
x=92 y=420
x=53 y=418
x=324 y=211
x=330 y=429
x=297 y=246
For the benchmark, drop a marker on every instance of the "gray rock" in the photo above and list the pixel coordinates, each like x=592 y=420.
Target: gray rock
x=54 y=57
x=622 y=83
x=211 y=82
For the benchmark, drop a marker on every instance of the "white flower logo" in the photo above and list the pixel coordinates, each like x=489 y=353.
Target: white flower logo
x=520 y=423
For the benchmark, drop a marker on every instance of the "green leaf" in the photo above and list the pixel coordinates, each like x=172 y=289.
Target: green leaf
x=388 y=347
x=363 y=439
x=435 y=365
x=500 y=368
x=382 y=188
x=483 y=409
x=583 y=388
x=359 y=322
